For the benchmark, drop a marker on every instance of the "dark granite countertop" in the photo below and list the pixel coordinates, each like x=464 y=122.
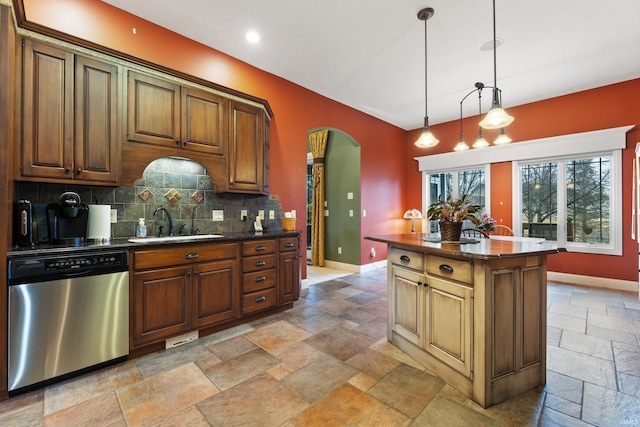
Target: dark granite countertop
x=124 y=243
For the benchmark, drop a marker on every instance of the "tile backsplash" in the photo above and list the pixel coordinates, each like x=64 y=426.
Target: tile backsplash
x=181 y=186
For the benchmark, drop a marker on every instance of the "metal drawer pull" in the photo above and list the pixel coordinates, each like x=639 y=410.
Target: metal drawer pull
x=446 y=268
x=405 y=258
x=192 y=255
x=261 y=278
x=260 y=248
x=260 y=263
x=260 y=299
x=289 y=245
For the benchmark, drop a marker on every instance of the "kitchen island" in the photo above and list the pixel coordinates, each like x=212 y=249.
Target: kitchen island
x=472 y=313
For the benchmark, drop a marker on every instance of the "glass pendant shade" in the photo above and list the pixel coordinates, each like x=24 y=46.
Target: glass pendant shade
x=480 y=142
x=502 y=139
x=496 y=118
x=427 y=139
x=461 y=146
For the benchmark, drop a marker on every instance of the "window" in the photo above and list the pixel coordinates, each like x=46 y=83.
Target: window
x=569 y=201
x=471 y=183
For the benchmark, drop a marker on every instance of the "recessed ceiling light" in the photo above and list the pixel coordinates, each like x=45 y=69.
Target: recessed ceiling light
x=488 y=45
x=253 y=37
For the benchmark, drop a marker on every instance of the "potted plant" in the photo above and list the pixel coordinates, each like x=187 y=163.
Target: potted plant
x=450 y=214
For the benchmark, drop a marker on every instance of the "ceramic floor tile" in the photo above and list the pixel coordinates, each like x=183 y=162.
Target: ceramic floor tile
x=339 y=342
x=568 y=310
x=564 y=387
x=162 y=395
x=629 y=384
x=232 y=347
x=562 y=405
x=165 y=360
x=357 y=316
x=100 y=411
x=21 y=402
x=225 y=335
x=624 y=313
x=375 y=328
x=377 y=307
x=30 y=416
x=259 y=401
x=407 y=389
x=362 y=381
x=604 y=407
x=585 y=344
x=445 y=412
x=627 y=361
x=552 y=418
x=190 y=417
x=233 y=371
x=348 y=406
x=363 y=298
x=376 y=365
x=317 y=379
x=612 y=334
x=277 y=335
x=521 y=410
x=77 y=390
x=298 y=355
x=615 y=323
x=336 y=306
x=582 y=367
x=385 y=347
x=316 y=324
x=566 y=322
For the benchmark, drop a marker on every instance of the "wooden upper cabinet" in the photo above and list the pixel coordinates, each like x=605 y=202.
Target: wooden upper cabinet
x=153 y=110
x=246 y=149
x=47 y=115
x=70 y=116
x=164 y=113
x=204 y=122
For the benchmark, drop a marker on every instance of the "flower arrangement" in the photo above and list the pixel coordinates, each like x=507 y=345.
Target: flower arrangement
x=485 y=222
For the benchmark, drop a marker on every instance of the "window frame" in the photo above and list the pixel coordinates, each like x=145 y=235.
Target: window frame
x=614 y=247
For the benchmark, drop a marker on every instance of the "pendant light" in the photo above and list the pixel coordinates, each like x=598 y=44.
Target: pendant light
x=496 y=118
x=502 y=139
x=427 y=139
x=480 y=142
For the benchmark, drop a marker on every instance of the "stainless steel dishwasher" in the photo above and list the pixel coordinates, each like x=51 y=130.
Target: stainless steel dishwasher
x=66 y=313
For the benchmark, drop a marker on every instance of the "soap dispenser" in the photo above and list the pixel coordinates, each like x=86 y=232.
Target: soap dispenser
x=141 y=228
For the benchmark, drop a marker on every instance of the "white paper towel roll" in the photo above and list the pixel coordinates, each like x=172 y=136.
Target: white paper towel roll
x=99 y=223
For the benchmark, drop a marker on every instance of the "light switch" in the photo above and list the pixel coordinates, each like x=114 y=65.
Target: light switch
x=350 y=195
x=261 y=214
x=351 y=212
x=364 y=213
x=243 y=214
x=272 y=214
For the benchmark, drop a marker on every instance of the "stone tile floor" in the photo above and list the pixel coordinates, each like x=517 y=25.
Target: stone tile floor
x=326 y=362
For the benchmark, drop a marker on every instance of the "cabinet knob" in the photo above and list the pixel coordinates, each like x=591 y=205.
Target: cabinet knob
x=67 y=169
x=419 y=283
x=177 y=142
x=425 y=284
x=78 y=171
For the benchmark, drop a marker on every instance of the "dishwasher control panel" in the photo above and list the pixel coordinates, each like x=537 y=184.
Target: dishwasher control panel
x=71 y=265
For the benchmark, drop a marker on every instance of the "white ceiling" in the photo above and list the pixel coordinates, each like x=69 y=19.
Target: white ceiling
x=369 y=54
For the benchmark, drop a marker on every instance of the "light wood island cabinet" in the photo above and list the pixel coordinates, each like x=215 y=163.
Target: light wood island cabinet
x=473 y=314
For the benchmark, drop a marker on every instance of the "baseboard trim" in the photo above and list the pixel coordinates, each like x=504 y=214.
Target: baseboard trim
x=593 y=281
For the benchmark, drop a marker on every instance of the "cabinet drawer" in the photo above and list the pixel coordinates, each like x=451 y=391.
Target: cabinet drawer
x=182 y=254
x=260 y=300
x=288 y=244
x=258 y=280
x=256 y=263
x=455 y=269
x=406 y=258
x=256 y=247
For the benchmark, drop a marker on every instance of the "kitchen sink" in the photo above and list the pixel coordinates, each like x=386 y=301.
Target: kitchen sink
x=174 y=238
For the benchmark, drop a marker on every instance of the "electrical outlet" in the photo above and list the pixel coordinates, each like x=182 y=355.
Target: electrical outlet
x=243 y=214
x=272 y=214
x=114 y=216
x=261 y=214
x=351 y=212
x=339 y=250
x=373 y=252
x=218 y=214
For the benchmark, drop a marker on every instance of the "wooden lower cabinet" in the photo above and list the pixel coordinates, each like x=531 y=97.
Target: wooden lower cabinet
x=170 y=301
x=478 y=324
x=289 y=270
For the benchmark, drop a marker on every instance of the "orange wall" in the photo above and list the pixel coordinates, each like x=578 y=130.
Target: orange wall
x=296 y=109
x=606 y=107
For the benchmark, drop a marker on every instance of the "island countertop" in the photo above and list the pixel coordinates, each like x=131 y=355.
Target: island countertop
x=479 y=249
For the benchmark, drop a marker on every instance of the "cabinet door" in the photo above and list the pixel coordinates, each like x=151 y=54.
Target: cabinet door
x=289 y=280
x=161 y=304
x=153 y=110
x=216 y=292
x=96 y=114
x=204 y=122
x=246 y=149
x=47 y=115
x=407 y=305
x=449 y=316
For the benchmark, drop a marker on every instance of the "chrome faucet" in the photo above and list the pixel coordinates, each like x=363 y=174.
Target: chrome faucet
x=168 y=218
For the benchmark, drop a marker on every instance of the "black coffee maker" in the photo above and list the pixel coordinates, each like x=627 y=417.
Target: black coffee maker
x=67 y=220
